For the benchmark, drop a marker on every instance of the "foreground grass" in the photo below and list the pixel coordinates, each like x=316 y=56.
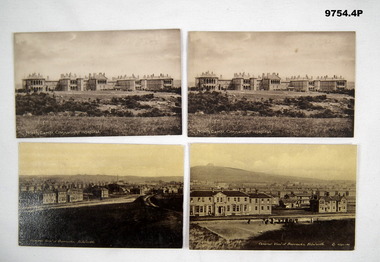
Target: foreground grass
x=322 y=235
x=255 y=126
x=130 y=225
x=71 y=126
x=202 y=238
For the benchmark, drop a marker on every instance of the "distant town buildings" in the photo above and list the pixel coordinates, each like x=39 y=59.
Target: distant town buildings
x=242 y=81
x=40 y=192
x=95 y=82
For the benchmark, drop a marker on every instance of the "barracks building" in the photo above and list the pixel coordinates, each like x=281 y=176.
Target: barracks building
x=242 y=81
x=95 y=82
x=229 y=203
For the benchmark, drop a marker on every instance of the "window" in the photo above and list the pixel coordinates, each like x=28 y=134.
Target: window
x=197 y=209
x=245 y=199
x=228 y=199
x=262 y=207
x=237 y=208
x=255 y=207
x=209 y=199
x=238 y=199
x=200 y=209
x=191 y=200
x=267 y=207
x=228 y=208
x=233 y=207
x=199 y=199
x=203 y=200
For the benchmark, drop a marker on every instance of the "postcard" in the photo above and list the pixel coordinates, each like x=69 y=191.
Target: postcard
x=271 y=84
x=272 y=197
x=100 y=83
x=100 y=195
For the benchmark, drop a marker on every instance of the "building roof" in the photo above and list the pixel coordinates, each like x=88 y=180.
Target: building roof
x=303 y=195
x=234 y=193
x=330 y=198
x=338 y=198
x=35 y=76
x=202 y=193
x=209 y=193
x=272 y=77
x=259 y=195
x=207 y=74
x=98 y=76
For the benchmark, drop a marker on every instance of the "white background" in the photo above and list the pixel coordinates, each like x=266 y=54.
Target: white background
x=234 y=15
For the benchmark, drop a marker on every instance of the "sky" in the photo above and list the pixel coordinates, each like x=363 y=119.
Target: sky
x=102 y=159
x=139 y=52
x=331 y=162
x=287 y=53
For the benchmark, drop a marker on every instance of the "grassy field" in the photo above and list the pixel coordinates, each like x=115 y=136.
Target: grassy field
x=131 y=225
x=238 y=229
x=321 y=235
x=218 y=125
x=270 y=114
x=59 y=126
x=98 y=113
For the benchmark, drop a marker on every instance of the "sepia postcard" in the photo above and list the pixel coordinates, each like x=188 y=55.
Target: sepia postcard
x=271 y=84
x=272 y=196
x=98 y=83
x=100 y=195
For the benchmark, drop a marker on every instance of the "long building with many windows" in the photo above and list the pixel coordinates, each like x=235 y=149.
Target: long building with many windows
x=96 y=82
x=229 y=203
x=269 y=82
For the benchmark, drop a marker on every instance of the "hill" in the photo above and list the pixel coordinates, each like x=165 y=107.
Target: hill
x=235 y=175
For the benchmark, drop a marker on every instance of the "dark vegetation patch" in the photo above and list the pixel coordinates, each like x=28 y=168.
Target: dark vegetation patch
x=169 y=201
x=325 y=235
x=321 y=235
x=132 y=225
x=46 y=104
x=319 y=105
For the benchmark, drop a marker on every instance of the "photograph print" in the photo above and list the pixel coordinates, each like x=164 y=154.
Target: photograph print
x=271 y=84
x=272 y=197
x=100 y=195
x=98 y=83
